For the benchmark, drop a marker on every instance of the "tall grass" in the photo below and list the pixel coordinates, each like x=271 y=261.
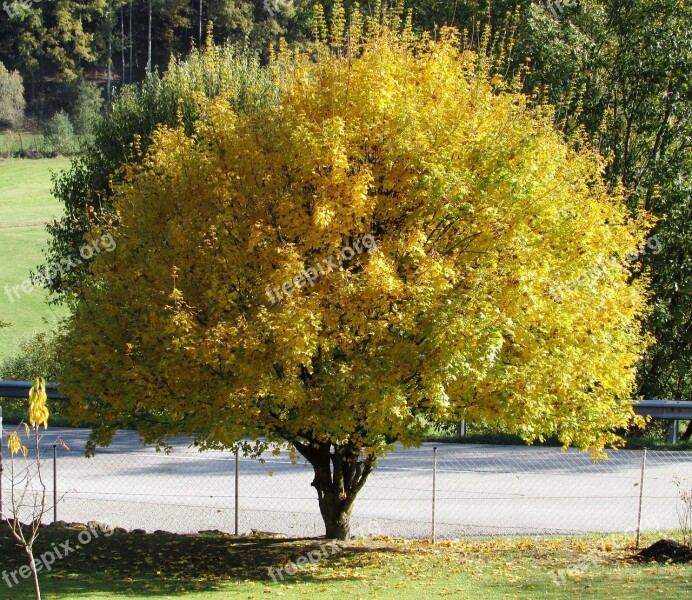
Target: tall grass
x=14 y=143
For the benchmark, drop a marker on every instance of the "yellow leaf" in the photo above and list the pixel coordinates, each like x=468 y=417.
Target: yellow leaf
x=14 y=444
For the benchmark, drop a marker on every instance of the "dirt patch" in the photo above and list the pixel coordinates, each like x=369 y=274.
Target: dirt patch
x=664 y=551
x=25 y=224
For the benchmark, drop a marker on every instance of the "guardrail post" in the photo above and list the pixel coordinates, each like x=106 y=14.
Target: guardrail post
x=673 y=427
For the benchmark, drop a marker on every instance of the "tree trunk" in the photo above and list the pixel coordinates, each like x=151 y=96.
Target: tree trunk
x=131 y=42
x=149 y=41
x=199 y=41
x=122 y=45
x=688 y=432
x=110 y=56
x=34 y=573
x=339 y=476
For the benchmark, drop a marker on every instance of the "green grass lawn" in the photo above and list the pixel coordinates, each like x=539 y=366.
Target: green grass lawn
x=217 y=566
x=25 y=196
x=24 y=199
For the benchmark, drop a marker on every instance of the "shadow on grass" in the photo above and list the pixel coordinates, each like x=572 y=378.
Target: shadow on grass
x=161 y=563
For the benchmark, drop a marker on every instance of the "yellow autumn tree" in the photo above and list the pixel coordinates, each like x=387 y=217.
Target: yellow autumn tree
x=394 y=241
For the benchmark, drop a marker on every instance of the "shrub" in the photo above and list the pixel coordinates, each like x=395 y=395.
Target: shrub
x=36 y=357
x=60 y=134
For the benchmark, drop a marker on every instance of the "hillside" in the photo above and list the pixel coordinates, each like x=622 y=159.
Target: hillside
x=26 y=204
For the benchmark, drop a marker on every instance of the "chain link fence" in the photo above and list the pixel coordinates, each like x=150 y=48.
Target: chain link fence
x=449 y=491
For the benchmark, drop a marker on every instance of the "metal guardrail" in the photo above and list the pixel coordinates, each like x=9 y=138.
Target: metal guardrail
x=20 y=389
x=664 y=409
x=671 y=410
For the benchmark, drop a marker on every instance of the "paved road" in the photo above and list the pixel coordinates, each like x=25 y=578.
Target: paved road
x=480 y=490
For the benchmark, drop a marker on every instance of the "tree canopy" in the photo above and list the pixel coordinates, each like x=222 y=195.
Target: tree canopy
x=616 y=70
x=11 y=97
x=397 y=238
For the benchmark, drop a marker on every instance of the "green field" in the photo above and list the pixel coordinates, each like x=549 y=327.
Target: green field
x=219 y=566
x=25 y=206
x=25 y=191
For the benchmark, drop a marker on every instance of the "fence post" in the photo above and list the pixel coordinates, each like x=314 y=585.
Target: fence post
x=434 y=484
x=55 y=483
x=641 y=498
x=236 y=491
x=2 y=437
